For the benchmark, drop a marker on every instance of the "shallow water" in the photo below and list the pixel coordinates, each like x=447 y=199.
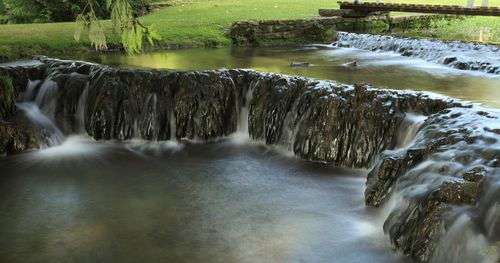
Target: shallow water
x=230 y=201
x=382 y=69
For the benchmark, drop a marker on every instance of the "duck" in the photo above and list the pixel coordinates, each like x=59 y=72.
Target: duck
x=298 y=64
x=351 y=64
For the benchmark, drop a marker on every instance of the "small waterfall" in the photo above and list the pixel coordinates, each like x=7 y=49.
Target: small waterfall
x=173 y=126
x=32 y=111
x=148 y=120
x=47 y=97
x=290 y=128
x=152 y=123
x=242 y=128
x=41 y=112
x=408 y=129
x=30 y=89
x=456 y=54
x=80 y=110
x=462 y=243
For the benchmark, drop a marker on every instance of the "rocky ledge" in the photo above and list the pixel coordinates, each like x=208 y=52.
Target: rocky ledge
x=441 y=185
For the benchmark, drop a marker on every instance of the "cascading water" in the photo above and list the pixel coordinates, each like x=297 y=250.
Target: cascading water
x=242 y=133
x=33 y=113
x=455 y=54
x=149 y=125
x=46 y=98
x=173 y=126
x=30 y=89
x=290 y=129
x=244 y=110
x=41 y=111
x=408 y=129
x=80 y=110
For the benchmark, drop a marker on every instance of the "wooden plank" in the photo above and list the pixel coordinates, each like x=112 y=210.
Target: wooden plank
x=420 y=8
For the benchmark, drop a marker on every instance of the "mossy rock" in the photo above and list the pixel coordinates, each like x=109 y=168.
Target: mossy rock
x=18 y=134
x=7 y=97
x=459 y=192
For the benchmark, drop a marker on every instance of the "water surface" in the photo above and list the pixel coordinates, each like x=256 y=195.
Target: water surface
x=382 y=69
x=87 y=201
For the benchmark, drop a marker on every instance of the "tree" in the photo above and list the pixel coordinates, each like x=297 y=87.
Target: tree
x=124 y=22
x=43 y=11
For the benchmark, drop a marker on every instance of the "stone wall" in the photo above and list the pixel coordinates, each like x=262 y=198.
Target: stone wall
x=275 y=32
x=320 y=29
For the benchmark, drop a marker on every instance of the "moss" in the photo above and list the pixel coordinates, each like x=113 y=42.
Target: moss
x=244 y=35
x=7 y=96
x=19 y=136
x=459 y=192
x=320 y=31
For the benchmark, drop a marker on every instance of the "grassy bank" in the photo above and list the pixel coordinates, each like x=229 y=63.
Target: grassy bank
x=203 y=23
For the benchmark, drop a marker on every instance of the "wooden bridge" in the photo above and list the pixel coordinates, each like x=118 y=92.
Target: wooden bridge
x=369 y=7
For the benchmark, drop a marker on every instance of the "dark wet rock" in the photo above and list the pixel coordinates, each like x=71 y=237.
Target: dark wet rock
x=7 y=97
x=419 y=223
x=205 y=105
x=449 y=60
x=461 y=65
x=475 y=174
x=17 y=134
x=458 y=192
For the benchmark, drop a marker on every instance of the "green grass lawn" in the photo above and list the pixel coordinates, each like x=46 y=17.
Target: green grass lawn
x=203 y=23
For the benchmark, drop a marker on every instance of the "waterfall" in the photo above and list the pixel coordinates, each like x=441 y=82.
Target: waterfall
x=462 y=243
x=148 y=120
x=408 y=129
x=80 y=110
x=41 y=112
x=290 y=128
x=30 y=88
x=46 y=98
x=242 y=129
x=33 y=113
x=173 y=129
x=455 y=54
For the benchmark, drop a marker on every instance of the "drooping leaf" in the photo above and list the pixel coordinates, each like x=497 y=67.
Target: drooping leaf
x=96 y=33
x=80 y=25
x=124 y=24
x=109 y=3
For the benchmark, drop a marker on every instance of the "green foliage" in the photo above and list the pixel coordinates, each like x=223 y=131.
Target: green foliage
x=39 y=11
x=44 y=11
x=204 y=23
x=93 y=24
x=491 y=251
x=124 y=23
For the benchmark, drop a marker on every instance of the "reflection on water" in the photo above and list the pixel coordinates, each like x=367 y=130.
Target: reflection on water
x=88 y=201
x=382 y=69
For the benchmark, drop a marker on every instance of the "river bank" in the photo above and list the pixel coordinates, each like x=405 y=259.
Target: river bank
x=189 y=24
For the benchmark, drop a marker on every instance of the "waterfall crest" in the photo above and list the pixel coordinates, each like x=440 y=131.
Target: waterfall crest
x=455 y=54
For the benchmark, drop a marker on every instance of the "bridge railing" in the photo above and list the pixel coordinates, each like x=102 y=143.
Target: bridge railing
x=470 y=3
